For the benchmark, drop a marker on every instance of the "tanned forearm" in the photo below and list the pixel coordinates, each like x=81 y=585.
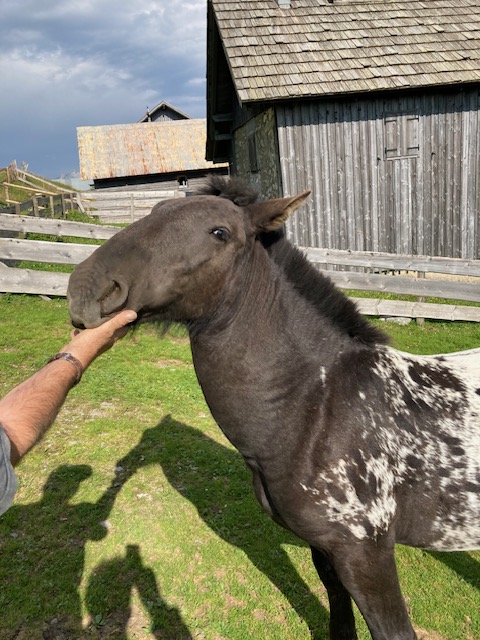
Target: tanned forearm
x=29 y=409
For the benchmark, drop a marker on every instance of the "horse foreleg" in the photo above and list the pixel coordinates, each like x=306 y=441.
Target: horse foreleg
x=368 y=571
x=342 y=622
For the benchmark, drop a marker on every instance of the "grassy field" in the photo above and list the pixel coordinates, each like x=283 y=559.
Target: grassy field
x=135 y=518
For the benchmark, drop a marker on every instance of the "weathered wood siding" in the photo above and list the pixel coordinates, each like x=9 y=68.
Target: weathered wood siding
x=256 y=153
x=400 y=175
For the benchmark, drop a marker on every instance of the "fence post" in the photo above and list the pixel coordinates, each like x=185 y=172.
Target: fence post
x=79 y=203
x=420 y=321
x=35 y=206
x=132 y=208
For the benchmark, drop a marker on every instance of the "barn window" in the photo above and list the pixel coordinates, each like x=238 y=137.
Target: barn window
x=252 y=153
x=401 y=135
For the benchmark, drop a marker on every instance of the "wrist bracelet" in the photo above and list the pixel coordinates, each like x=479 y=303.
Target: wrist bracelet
x=69 y=358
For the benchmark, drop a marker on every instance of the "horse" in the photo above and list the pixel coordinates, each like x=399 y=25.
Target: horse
x=352 y=445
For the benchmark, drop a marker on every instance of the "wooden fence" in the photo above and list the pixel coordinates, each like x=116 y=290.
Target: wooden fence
x=108 y=205
x=444 y=278
x=420 y=276
x=41 y=205
x=119 y=205
x=17 y=280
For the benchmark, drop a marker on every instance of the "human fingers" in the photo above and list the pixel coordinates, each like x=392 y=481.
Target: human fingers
x=86 y=345
x=123 y=318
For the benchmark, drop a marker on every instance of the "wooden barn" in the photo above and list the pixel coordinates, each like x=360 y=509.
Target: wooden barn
x=373 y=105
x=165 y=152
x=164 y=111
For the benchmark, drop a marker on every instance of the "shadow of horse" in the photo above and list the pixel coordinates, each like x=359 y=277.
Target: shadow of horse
x=215 y=480
x=462 y=563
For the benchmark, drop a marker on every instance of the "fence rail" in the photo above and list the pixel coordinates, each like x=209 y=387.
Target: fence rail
x=53 y=204
x=17 y=280
x=124 y=206
x=380 y=271
x=422 y=276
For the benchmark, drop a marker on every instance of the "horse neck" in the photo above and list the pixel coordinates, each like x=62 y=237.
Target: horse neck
x=260 y=297
x=265 y=362
x=265 y=330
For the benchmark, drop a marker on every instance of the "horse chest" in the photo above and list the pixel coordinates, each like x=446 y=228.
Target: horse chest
x=257 y=404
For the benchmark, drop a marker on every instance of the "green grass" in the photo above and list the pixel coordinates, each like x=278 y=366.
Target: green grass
x=135 y=512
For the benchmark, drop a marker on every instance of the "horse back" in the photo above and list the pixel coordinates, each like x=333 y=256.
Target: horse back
x=398 y=450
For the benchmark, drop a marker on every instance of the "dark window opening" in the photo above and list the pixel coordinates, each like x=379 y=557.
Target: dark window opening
x=252 y=153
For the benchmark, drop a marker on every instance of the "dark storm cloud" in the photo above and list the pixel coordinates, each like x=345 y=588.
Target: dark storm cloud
x=84 y=62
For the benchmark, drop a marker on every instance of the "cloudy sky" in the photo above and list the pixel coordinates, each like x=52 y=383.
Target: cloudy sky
x=70 y=63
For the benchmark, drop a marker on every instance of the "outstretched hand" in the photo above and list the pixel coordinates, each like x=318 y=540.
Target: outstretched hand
x=86 y=345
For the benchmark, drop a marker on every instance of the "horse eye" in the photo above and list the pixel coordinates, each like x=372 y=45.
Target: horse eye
x=220 y=233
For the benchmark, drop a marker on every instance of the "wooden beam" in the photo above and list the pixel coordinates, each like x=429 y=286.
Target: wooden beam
x=42 y=251
x=29 y=281
x=24 y=224
x=403 y=309
x=34 y=190
x=392 y=262
x=451 y=290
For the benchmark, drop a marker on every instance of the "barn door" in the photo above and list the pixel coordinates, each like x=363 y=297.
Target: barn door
x=401 y=156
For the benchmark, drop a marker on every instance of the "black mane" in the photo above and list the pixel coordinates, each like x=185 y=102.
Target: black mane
x=316 y=288
x=320 y=291
x=233 y=189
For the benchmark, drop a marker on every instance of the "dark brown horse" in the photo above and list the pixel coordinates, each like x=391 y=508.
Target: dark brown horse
x=352 y=445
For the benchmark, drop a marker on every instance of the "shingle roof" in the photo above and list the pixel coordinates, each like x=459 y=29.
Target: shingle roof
x=142 y=149
x=320 y=48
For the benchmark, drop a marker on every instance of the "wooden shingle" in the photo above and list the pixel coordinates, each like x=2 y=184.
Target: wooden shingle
x=320 y=48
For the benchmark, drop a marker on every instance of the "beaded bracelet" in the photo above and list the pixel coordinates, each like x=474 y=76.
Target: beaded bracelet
x=69 y=358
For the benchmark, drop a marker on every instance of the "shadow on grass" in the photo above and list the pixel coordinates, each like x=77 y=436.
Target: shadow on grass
x=42 y=545
x=466 y=567
x=110 y=589
x=215 y=480
x=42 y=556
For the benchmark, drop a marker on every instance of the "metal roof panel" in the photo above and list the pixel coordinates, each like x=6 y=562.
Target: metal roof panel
x=145 y=148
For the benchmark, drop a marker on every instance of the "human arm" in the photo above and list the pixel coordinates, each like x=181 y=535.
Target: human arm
x=28 y=411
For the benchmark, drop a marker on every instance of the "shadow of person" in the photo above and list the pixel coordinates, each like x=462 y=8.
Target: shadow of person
x=215 y=480
x=111 y=609
x=42 y=555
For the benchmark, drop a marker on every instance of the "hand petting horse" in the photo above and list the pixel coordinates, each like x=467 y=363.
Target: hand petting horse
x=352 y=445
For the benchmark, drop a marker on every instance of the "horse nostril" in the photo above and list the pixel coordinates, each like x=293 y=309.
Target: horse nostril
x=78 y=325
x=114 y=298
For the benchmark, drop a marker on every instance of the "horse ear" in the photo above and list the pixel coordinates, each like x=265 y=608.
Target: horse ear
x=271 y=214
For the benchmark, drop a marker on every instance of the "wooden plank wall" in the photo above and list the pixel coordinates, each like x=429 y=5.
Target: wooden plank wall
x=400 y=175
